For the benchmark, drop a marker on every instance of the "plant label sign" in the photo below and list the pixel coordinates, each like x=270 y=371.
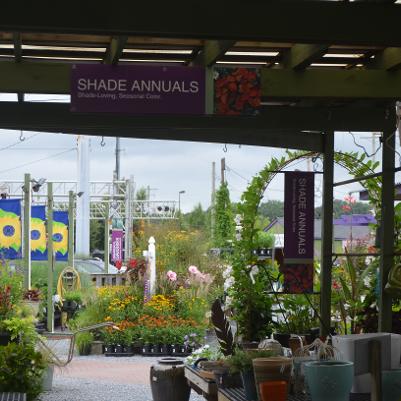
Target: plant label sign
x=117 y=245
x=299 y=208
x=134 y=89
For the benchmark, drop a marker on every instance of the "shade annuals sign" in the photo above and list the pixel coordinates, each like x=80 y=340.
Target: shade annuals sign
x=138 y=89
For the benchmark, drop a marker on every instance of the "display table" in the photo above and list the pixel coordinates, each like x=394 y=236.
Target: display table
x=237 y=394
x=205 y=387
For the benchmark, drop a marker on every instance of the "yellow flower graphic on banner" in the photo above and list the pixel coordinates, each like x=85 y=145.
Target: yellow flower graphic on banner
x=60 y=237
x=10 y=231
x=38 y=235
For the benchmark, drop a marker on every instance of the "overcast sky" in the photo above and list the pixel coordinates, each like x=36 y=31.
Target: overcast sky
x=166 y=166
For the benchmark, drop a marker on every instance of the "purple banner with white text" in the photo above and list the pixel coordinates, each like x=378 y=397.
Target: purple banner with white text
x=299 y=208
x=134 y=89
x=117 y=245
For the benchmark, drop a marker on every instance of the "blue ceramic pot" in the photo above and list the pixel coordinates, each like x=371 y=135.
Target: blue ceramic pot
x=391 y=385
x=329 y=380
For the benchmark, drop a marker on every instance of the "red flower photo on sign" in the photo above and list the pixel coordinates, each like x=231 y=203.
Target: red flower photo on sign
x=298 y=278
x=237 y=91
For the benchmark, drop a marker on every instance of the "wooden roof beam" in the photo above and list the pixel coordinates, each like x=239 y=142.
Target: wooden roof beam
x=115 y=49
x=293 y=21
x=212 y=51
x=301 y=56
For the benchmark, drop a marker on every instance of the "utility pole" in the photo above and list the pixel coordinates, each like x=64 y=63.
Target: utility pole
x=27 y=232
x=212 y=208
x=50 y=259
x=223 y=169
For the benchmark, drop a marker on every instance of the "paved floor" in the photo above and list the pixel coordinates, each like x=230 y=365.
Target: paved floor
x=100 y=378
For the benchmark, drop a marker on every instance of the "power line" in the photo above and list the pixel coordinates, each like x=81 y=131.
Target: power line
x=18 y=142
x=228 y=168
x=36 y=161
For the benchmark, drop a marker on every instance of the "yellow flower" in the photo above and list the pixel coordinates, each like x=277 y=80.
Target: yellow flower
x=10 y=231
x=60 y=237
x=38 y=235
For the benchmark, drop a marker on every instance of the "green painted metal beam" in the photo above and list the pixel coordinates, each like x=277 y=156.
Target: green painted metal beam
x=389 y=59
x=275 y=20
x=50 y=258
x=27 y=231
x=212 y=51
x=337 y=84
x=327 y=234
x=387 y=229
x=302 y=55
x=115 y=49
x=32 y=77
x=71 y=214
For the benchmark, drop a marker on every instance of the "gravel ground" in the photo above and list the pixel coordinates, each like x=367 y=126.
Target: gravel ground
x=67 y=389
x=67 y=386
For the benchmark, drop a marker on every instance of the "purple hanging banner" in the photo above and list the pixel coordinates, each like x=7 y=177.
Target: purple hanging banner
x=299 y=208
x=134 y=89
x=117 y=245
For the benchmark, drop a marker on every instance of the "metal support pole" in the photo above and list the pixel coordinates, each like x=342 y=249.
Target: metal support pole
x=128 y=220
x=50 y=256
x=106 y=236
x=387 y=229
x=327 y=234
x=212 y=209
x=71 y=202
x=27 y=232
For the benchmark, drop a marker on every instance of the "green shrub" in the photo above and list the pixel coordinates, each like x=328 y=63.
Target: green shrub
x=21 y=369
x=83 y=342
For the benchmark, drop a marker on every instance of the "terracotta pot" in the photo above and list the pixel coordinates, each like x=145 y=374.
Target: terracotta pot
x=271 y=369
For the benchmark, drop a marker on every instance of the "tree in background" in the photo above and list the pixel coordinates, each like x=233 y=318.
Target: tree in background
x=96 y=234
x=141 y=194
x=224 y=220
x=340 y=208
x=196 y=219
x=271 y=209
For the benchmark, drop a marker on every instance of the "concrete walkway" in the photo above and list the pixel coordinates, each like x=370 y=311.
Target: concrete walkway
x=100 y=378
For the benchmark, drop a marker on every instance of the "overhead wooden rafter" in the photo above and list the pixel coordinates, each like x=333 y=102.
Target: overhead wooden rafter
x=317 y=22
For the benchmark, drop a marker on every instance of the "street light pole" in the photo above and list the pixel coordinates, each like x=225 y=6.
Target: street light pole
x=179 y=201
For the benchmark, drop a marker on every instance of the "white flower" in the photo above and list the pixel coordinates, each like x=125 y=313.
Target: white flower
x=229 y=283
x=238 y=228
x=227 y=272
x=238 y=219
x=238 y=237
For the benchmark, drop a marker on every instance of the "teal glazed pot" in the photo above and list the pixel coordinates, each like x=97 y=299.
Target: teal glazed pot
x=391 y=385
x=329 y=380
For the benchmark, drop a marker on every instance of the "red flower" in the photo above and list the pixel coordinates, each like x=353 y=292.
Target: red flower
x=119 y=264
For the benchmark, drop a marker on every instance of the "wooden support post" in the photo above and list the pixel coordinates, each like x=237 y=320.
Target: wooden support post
x=50 y=258
x=106 y=236
x=375 y=369
x=387 y=229
x=71 y=208
x=327 y=234
x=27 y=232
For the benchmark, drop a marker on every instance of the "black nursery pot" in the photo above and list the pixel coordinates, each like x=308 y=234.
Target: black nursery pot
x=118 y=349
x=5 y=338
x=165 y=349
x=283 y=339
x=109 y=349
x=127 y=349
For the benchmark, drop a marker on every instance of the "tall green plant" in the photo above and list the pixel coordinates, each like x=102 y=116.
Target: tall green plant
x=224 y=223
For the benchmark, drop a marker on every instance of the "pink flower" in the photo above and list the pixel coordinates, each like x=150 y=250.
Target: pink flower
x=172 y=276
x=193 y=270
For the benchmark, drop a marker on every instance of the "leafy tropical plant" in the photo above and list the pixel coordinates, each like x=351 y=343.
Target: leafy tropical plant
x=224 y=223
x=21 y=369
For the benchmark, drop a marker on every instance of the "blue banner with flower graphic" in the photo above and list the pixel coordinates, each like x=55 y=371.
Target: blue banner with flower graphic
x=10 y=228
x=38 y=233
x=60 y=235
